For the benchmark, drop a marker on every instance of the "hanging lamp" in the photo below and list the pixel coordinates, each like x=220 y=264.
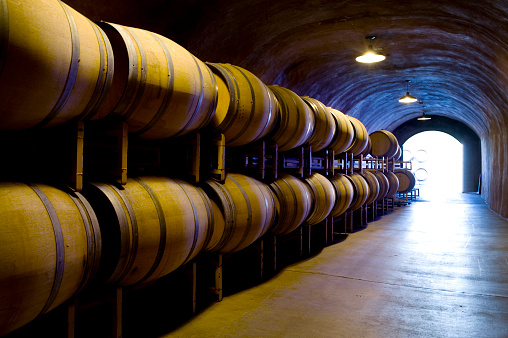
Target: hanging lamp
x=424 y=117
x=370 y=56
x=408 y=98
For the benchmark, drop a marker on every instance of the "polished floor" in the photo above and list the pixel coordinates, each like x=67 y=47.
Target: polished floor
x=430 y=269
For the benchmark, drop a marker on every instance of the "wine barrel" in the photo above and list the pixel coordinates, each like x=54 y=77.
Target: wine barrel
x=393 y=183
x=293 y=203
x=50 y=248
x=150 y=227
x=361 y=137
x=384 y=144
x=218 y=225
x=421 y=155
x=295 y=121
x=344 y=132
x=368 y=148
x=361 y=191
x=407 y=155
x=421 y=174
x=398 y=153
x=384 y=184
x=324 y=128
x=55 y=64
x=344 y=193
x=247 y=108
x=407 y=180
x=244 y=206
x=159 y=88
x=373 y=184
x=323 y=196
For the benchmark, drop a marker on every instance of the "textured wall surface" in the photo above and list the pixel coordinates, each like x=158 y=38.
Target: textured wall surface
x=454 y=52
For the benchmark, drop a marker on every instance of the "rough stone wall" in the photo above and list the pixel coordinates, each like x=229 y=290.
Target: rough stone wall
x=495 y=169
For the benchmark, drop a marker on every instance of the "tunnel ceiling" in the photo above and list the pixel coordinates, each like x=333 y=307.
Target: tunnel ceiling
x=455 y=53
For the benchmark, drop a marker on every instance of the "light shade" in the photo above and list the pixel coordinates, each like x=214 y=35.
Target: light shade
x=423 y=117
x=370 y=56
x=408 y=98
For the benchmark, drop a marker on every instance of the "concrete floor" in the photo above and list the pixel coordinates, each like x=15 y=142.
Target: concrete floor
x=430 y=269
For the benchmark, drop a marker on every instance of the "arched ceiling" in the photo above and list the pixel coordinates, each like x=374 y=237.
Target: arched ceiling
x=454 y=52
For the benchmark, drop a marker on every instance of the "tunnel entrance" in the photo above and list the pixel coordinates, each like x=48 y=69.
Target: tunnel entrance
x=437 y=162
x=471 y=164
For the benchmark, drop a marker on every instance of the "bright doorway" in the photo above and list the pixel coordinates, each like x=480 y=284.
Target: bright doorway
x=436 y=159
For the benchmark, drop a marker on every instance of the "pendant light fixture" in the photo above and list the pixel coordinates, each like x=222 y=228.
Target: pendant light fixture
x=408 y=98
x=370 y=56
x=423 y=117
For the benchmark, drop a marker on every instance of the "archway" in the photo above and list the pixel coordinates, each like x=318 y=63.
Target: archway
x=465 y=135
x=437 y=160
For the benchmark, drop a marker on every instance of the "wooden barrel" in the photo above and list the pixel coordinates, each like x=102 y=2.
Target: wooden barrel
x=295 y=121
x=421 y=155
x=324 y=128
x=393 y=183
x=361 y=191
x=55 y=64
x=293 y=203
x=218 y=228
x=398 y=153
x=384 y=144
x=245 y=208
x=384 y=184
x=323 y=196
x=407 y=180
x=50 y=248
x=407 y=155
x=159 y=88
x=361 y=137
x=373 y=183
x=368 y=148
x=344 y=193
x=150 y=227
x=247 y=108
x=344 y=132
x=421 y=174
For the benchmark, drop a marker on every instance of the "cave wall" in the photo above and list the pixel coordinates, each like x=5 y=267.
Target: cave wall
x=495 y=169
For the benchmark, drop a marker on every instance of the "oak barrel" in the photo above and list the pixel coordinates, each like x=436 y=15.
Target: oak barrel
x=384 y=184
x=293 y=203
x=368 y=148
x=324 y=128
x=398 y=153
x=361 y=137
x=295 y=121
x=393 y=183
x=50 y=247
x=344 y=192
x=245 y=208
x=344 y=132
x=373 y=184
x=150 y=227
x=55 y=64
x=247 y=108
x=361 y=191
x=384 y=144
x=323 y=196
x=159 y=88
x=407 y=180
